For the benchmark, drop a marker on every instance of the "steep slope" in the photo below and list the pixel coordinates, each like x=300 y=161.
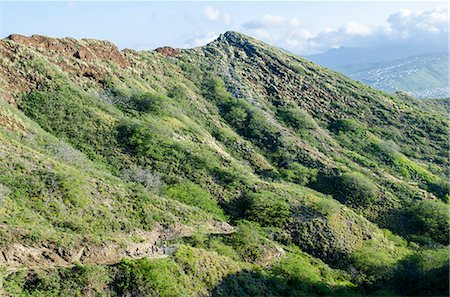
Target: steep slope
x=424 y=76
x=105 y=150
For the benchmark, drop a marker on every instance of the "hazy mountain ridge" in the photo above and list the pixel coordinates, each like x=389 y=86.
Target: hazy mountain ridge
x=424 y=76
x=113 y=148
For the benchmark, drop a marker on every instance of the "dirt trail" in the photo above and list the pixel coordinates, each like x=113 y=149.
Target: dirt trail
x=152 y=255
x=46 y=256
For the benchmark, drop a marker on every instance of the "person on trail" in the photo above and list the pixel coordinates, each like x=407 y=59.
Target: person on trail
x=164 y=248
x=156 y=246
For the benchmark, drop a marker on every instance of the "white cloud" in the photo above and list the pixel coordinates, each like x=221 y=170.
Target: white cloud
x=215 y=15
x=211 y=13
x=262 y=34
x=200 y=39
x=404 y=27
x=302 y=33
x=412 y=22
x=294 y=22
x=354 y=28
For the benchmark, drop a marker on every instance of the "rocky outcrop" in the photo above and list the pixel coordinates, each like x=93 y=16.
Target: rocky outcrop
x=85 y=49
x=168 y=51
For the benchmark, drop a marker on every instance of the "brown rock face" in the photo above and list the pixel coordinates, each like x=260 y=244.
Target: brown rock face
x=168 y=51
x=84 y=49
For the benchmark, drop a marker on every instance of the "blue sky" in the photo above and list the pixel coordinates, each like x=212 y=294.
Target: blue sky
x=300 y=27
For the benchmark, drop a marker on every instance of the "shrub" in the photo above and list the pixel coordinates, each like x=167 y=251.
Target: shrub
x=80 y=280
x=373 y=261
x=145 y=277
x=296 y=118
x=264 y=134
x=191 y=194
x=268 y=209
x=237 y=116
x=214 y=89
x=299 y=174
x=298 y=274
x=440 y=188
x=151 y=181
x=347 y=125
x=147 y=102
x=206 y=269
x=217 y=245
x=355 y=189
x=247 y=241
x=429 y=219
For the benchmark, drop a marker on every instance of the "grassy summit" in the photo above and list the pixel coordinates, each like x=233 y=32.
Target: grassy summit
x=267 y=175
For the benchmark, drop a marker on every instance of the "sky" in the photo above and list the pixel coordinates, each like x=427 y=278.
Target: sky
x=305 y=28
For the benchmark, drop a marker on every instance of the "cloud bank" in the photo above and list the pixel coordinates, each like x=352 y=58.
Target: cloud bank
x=416 y=28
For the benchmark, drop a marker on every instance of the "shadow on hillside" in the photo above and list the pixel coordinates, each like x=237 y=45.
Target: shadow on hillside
x=253 y=283
x=411 y=278
x=408 y=279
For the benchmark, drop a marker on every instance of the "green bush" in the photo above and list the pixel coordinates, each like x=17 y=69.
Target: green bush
x=296 y=118
x=147 y=102
x=429 y=220
x=145 y=277
x=237 y=116
x=218 y=245
x=80 y=280
x=376 y=263
x=347 y=125
x=206 y=269
x=247 y=241
x=299 y=174
x=268 y=209
x=355 y=189
x=299 y=275
x=440 y=188
x=147 y=144
x=264 y=134
x=191 y=194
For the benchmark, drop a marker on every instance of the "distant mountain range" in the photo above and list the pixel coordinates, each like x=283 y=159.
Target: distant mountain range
x=358 y=55
x=423 y=76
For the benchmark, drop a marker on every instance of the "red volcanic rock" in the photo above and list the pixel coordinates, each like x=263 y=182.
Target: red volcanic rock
x=168 y=51
x=84 y=49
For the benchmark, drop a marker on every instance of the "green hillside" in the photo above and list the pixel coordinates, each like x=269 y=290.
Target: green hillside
x=266 y=174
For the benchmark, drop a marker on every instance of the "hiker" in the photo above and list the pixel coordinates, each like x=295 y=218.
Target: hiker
x=156 y=246
x=164 y=248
